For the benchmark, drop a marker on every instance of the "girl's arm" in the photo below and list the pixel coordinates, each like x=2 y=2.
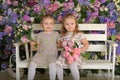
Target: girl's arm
x=59 y=44
x=85 y=45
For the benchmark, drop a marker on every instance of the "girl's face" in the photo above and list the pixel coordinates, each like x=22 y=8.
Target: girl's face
x=47 y=24
x=70 y=24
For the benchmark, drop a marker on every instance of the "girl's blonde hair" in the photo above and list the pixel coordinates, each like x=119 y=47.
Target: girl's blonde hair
x=47 y=16
x=63 y=30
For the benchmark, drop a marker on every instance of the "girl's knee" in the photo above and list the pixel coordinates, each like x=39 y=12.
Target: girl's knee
x=33 y=64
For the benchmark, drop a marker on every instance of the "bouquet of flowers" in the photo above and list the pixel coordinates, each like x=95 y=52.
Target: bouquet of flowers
x=71 y=51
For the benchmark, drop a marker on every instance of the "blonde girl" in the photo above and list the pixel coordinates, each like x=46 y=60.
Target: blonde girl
x=70 y=31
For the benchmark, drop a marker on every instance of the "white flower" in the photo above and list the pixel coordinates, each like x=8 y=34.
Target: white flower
x=106 y=9
x=101 y=9
x=78 y=8
x=32 y=19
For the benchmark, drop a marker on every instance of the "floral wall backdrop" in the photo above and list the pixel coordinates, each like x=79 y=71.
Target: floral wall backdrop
x=17 y=17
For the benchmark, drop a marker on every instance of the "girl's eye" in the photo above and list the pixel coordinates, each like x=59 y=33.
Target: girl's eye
x=51 y=23
x=66 y=24
x=45 y=23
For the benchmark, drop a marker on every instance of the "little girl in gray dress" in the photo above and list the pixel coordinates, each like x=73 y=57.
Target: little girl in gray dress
x=47 y=53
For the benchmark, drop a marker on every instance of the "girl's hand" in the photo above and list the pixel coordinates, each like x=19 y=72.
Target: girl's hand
x=85 y=45
x=59 y=44
x=34 y=45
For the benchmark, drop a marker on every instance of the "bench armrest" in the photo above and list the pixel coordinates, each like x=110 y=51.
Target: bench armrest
x=19 y=43
x=17 y=47
x=112 y=43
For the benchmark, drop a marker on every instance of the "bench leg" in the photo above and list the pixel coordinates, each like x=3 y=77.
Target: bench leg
x=108 y=74
x=113 y=74
x=17 y=74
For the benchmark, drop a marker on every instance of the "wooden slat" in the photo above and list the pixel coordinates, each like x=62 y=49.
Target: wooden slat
x=96 y=37
x=97 y=48
x=81 y=27
x=38 y=27
x=89 y=27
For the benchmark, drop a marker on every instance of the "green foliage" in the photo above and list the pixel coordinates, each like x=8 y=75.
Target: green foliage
x=61 y=1
x=118 y=3
x=92 y=1
x=113 y=38
x=86 y=55
x=75 y=2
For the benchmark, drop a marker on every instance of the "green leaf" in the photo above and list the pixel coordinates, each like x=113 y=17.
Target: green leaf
x=86 y=55
x=113 y=38
x=75 y=2
x=83 y=12
x=118 y=3
x=61 y=1
x=76 y=45
x=92 y=1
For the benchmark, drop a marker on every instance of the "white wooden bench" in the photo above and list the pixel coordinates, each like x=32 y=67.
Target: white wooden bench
x=108 y=63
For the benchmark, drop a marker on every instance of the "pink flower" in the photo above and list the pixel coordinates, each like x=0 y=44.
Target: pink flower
x=37 y=8
x=8 y=29
x=8 y=2
x=111 y=24
x=68 y=6
x=59 y=19
x=76 y=51
x=75 y=56
x=70 y=44
x=24 y=39
x=64 y=43
x=26 y=27
x=70 y=59
x=67 y=48
x=53 y=7
x=31 y=3
x=15 y=3
x=66 y=54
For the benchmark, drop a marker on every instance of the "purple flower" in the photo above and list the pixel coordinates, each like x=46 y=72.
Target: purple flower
x=14 y=18
x=118 y=48
x=27 y=12
x=5 y=13
x=113 y=16
x=107 y=19
x=102 y=19
x=84 y=2
x=45 y=3
x=4 y=66
x=2 y=22
x=102 y=1
x=26 y=18
x=10 y=11
x=4 y=6
x=8 y=29
x=37 y=8
x=88 y=16
x=112 y=31
x=1 y=35
x=111 y=6
x=69 y=5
